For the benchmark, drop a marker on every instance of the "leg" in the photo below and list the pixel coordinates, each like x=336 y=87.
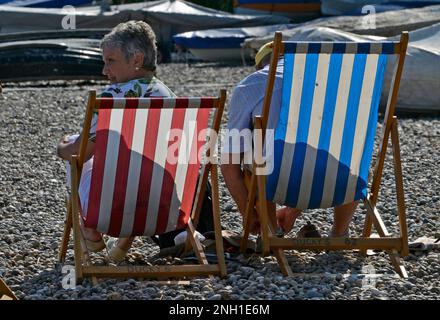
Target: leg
x=90 y=234
x=125 y=243
x=117 y=249
x=286 y=218
x=93 y=238
x=342 y=218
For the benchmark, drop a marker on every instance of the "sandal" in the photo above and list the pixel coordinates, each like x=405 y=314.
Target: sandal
x=115 y=253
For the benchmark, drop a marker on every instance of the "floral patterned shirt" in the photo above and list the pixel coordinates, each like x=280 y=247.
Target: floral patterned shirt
x=137 y=88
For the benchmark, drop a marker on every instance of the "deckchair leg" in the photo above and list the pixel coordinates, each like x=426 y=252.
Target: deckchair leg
x=217 y=225
x=197 y=246
x=366 y=233
x=268 y=227
x=66 y=233
x=75 y=220
x=283 y=263
x=263 y=215
x=249 y=207
x=195 y=214
x=397 y=264
x=195 y=242
x=383 y=232
x=279 y=253
x=4 y=290
x=399 y=188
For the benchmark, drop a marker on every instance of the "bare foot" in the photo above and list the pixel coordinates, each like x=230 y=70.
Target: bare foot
x=90 y=234
x=286 y=218
x=254 y=226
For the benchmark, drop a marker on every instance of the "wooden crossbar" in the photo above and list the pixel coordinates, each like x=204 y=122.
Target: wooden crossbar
x=140 y=271
x=335 y=243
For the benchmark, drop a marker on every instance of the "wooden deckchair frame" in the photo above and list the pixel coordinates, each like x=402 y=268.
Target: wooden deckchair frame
x=5 y=292
x=83 y=266
x=395 y=246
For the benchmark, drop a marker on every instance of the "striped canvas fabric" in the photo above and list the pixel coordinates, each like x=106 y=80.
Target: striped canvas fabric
x=324 y=138
x=144 y=172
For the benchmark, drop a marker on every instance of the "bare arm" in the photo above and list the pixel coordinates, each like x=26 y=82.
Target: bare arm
x=235 y=182
x=66 y=149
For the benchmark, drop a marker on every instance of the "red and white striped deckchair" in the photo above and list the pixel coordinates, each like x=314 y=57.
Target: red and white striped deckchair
x=145 y=178
x=5 y=292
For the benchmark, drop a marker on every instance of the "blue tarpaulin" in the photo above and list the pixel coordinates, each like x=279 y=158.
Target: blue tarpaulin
x=44 y=3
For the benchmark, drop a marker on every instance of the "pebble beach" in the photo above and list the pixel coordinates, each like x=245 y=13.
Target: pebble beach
x=34 y=116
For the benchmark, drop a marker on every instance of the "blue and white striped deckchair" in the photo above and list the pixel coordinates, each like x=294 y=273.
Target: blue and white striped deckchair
x=325 y=135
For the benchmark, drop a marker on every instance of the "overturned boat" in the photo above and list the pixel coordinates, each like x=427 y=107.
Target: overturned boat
x=224 y=43
x=420 y=83
x=51 y=59
x=166 y=17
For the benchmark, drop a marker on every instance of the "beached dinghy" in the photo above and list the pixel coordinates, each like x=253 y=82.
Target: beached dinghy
x=223 y=44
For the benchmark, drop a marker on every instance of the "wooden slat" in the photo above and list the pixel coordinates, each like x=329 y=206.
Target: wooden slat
x=376 y=218
x=5 y=290
x=206 y=167
x=85 y=131
x=217 y=225
x=397 y=264
x=66 y=233
x=197 y=247
x=399 y=188
x=75 y=218
x=389 y=114
x=280 y=255
x=277 y=48
x=335 y=243
x=252 y=188
x=140 y=271
x=100 y=103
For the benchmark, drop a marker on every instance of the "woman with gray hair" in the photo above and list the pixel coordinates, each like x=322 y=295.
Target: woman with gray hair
x=129 y=53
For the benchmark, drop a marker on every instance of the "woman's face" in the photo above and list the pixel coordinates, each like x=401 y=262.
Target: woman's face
x=116 y=67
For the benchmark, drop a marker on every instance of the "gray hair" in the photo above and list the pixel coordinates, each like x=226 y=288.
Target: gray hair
x=133 y=36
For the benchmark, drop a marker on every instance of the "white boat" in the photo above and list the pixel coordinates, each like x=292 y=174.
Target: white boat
x=166 y=17
x=223 y=44
x=420 y=83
